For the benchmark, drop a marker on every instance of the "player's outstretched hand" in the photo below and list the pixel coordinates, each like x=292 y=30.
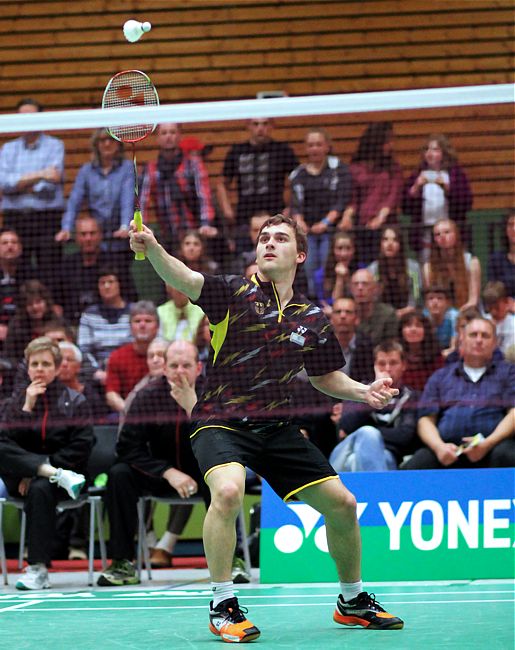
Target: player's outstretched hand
x=380 y=393
x=141 y=241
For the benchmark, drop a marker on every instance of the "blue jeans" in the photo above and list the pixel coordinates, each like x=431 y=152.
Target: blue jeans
x=362 y=451
x=318 y=250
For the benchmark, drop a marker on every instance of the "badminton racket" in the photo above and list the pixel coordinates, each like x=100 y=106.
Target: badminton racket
x=125 y=90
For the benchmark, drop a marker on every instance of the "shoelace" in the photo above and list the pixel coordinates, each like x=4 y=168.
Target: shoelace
x=370 y=601
x=236 y=613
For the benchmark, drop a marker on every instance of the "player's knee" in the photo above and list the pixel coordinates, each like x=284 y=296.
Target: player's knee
x=228 y=497
x=345 y=507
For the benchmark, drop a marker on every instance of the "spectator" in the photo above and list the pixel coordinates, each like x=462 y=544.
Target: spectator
x=500 y=308
x=248 y=255
x=79 y=270
x=31 y=184
x=179 y=318
x=320 y=191
x=192 y=252
x=453 y=267
x=356 y=346
x=399 y=277
x=260 y=167
x=105 y=326
x=437 y=189
x=105 y=185
x=35 y=308
x=376 y=441
x=441 y=315
x=12 y=275
x=152 y=461
x=422 y=353
x=464 y=317
x=177 y=186
x=128 y=363
x=501 y=265
x=376 y=319
x=339 y=267
x=45 y=441
x=376 y=189
x=474 y=395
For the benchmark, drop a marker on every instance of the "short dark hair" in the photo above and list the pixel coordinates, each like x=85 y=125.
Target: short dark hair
x=493 y=291
x=390 y=345
x=437 y=288
x=28 y=101
x=300 y=235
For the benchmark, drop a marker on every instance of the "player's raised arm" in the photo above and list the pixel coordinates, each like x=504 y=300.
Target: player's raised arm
x=169 y=268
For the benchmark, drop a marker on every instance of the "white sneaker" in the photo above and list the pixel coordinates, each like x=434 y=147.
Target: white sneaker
x=69 y=481
x=35 y=576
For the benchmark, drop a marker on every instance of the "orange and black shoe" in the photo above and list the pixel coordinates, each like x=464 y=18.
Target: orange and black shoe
x=364 y=610
x=227 y=620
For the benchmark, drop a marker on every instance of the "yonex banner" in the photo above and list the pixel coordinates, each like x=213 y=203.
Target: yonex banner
x=415 y=525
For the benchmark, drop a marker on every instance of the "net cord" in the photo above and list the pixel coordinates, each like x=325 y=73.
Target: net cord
x=260 y=108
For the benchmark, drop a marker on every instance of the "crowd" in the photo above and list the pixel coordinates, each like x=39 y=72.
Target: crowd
x=82 y=343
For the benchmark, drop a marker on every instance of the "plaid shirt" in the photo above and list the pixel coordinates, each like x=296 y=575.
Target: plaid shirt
x=17 y=159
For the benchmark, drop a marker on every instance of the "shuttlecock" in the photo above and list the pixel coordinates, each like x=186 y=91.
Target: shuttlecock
x=133 y=30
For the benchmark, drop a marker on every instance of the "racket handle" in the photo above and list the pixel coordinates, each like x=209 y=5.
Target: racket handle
x=139 y=225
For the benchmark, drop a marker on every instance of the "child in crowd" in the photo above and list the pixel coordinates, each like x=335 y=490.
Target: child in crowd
x=442 y=316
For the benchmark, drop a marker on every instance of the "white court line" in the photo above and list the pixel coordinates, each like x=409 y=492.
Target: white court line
x=27 y=603
x=328 y=604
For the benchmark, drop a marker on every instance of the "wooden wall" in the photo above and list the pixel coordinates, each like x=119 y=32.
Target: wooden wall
x=63 y=53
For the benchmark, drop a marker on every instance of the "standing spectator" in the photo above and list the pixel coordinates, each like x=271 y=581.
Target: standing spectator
x=500 y=308
x=339 y=267
x=422 y=353
x=471 y=396
x=320 y=191
x=441 y=315
x=45 y=440
x=79 y=271
x=376 y=441
x=179 y=318
x=376 y=189
x=437 y=189
x=376 y=319
x=398 y=276
x=106 y=186
x=501 y=265
x=105 y=326
x=12 y=274
x=177 y=186
x=453 y=267
x=260 y=167
x=31 y=183
x=128 y=363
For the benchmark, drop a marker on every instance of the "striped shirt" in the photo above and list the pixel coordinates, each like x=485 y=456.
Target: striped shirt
x=103 y=329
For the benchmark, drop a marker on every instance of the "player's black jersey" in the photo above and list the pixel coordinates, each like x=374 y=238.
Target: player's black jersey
x=257 y=348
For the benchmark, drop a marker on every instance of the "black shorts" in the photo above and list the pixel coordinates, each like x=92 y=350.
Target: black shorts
x=277 y=452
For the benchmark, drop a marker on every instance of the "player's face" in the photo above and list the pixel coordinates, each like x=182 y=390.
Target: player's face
x=344 y=317
x=478 y=343
x=41 y=367
x=88 y=236
x=317 y=147
x=181 y=362
x=433 y=155
x=389 y=364
x=10 y=246
x=168 y=136
x=69 y=368
x=444 y=235
x=260 y=130
x=276 y=252
x=156 y=358
x=390 y=245
x=144 y=327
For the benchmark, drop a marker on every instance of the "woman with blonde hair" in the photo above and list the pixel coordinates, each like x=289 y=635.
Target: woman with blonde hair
x=452 y=267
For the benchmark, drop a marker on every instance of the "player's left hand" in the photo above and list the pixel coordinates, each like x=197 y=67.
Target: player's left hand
x=380 y=393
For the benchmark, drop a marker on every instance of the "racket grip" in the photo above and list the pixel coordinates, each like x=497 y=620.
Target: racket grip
x=139 y=225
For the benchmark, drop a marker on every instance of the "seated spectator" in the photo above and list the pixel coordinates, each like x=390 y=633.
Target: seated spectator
x=437 y=189
x=106 y=186
x=179 y=318
x=471 y=396
x=377 y=320
x=464 y=317
x=320 y=191
x=248 y=254
x=36 y=307
x=501 y=264
x=153 y=461
x=376 y=441
x=45 y=440
x=105 y=326
x=334 y=282
x=356 y=346
x=422 y=353
x=452 y=267
x=441 y=315
x=79 y=271
x=192 y=252
x=399 y=277
x=12 y=275
x=128 y=363
x=500 y=307
x=376 y=189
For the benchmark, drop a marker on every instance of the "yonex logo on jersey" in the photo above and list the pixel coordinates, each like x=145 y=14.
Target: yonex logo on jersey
x=297 y=338
x=260 y=308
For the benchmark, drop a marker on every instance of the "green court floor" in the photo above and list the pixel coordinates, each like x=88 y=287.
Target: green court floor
x=461 y=615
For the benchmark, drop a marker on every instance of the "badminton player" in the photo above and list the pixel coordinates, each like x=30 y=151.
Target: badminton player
x=263 y=334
